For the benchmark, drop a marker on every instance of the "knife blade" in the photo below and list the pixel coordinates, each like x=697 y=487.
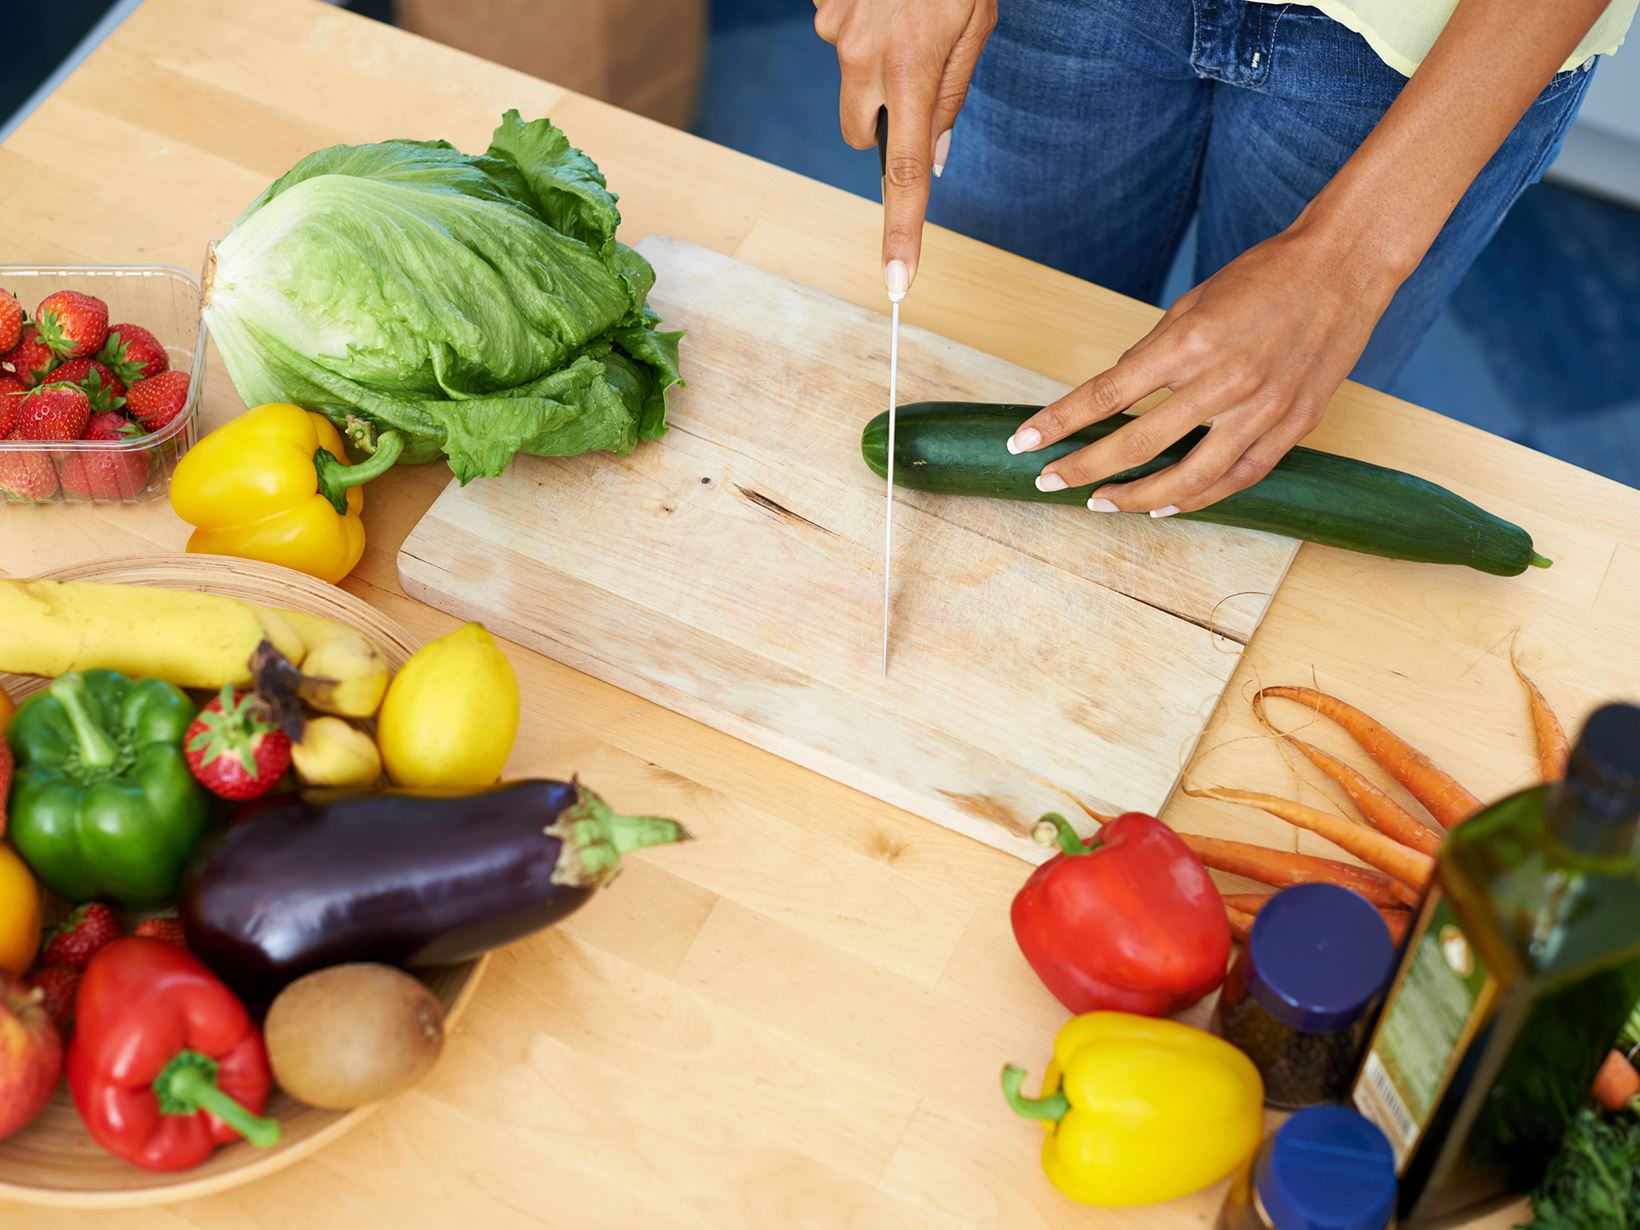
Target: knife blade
x=893 y=393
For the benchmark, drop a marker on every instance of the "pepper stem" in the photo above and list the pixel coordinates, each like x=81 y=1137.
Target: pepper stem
x=97 y=750
x=1054 y=829
x=595 y=836
x=335 y=477
x=188 y=1085
x=1053 y=1106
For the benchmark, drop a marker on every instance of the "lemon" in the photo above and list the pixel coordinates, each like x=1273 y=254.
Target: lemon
x=451 y=713
x=19 y=914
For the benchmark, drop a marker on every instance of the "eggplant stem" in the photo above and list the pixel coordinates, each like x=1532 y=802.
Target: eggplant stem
x=594 y=837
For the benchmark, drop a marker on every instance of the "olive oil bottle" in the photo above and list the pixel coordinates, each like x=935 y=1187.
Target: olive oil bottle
x=1522 y=967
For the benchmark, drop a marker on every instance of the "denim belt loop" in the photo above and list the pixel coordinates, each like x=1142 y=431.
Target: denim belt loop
x=1233 y=40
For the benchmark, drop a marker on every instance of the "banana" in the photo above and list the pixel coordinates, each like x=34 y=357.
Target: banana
x=333 y=752
x=190 y=639
x=343 y=672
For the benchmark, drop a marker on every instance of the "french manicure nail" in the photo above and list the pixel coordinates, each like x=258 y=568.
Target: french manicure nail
x=1024 y=440
x=1050 y=482
x=1168 y=511
x=1098 y=504
x=942 y=148
x=897 y=277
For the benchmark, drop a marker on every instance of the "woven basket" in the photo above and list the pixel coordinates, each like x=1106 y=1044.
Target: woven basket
x=53 y=1160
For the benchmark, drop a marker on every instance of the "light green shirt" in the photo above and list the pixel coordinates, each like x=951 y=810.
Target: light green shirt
x=1403 y=31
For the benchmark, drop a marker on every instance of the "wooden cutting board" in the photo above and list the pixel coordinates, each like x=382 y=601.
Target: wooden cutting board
x=732 y=571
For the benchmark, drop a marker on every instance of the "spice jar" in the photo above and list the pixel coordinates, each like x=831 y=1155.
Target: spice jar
x=1301 y=996
x=1326 y=1168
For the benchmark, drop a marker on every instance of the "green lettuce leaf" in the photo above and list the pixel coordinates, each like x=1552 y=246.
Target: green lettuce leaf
x=480 y=305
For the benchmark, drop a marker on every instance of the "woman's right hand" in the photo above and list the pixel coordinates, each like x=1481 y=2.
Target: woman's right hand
x=914 y=57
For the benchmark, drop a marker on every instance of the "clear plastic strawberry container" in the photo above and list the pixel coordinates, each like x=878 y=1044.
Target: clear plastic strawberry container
x=164 y=300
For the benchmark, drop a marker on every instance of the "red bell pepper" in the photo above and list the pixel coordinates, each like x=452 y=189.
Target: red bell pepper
x=165 y=1063
x=1127 y=921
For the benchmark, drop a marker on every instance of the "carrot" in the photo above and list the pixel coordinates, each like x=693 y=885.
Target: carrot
x=1251 y=903
x=1617 y=1084
x=1381 y=811
x=1098 y=816
x=1283 y=868
x=1410 y=867
x=1447 y=801
x=1553 y=748
x=1241 y=924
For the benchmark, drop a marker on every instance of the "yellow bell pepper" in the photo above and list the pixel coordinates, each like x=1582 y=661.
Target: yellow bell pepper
x=274 y=485
x=1141 y=1110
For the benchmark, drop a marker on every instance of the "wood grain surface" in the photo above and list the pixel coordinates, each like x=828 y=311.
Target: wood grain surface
x=733 y=572
x=797 y=1019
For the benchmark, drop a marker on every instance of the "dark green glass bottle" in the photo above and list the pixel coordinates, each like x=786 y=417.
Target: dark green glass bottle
x=1521 y=969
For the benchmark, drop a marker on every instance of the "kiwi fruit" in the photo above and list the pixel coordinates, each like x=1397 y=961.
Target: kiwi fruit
x=351 y=1034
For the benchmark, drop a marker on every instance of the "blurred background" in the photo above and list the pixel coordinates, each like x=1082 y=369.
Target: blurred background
x=1541 y=342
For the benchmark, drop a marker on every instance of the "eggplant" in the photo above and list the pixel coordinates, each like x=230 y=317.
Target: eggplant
x=299 y=882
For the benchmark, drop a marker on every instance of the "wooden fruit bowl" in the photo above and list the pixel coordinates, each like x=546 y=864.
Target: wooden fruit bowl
x=53 y=1160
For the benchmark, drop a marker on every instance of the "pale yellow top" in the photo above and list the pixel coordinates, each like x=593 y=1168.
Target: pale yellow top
x=1403 y=31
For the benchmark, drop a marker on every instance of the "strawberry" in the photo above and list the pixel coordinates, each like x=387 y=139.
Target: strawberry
x=105 y=474
x=11 y=320
x=101 y=387
x=59 y=986
x=12 y=391
x=235 y=752
x=79 y=937
x=133 y=353
x=26 y=474
x=31 y=358
x=54 y=412
x=110 y=425
x=72 y=324
x=164 y=927
x=158 y=400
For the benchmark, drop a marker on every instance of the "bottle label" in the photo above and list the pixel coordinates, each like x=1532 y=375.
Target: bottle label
x=1437 y=1006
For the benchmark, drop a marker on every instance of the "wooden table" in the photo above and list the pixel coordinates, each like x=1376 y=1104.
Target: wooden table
x=797 y=1020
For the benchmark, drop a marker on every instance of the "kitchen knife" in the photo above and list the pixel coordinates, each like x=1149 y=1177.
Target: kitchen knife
x=893 y=392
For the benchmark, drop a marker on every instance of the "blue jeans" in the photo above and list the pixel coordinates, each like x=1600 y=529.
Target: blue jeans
x=1095 y=129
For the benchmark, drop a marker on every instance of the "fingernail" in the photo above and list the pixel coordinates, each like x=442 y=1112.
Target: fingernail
x=1164 y=512
x=1050 y=482
x=1024 y=440
x=897 y=277
x=1098 y=504
x=942 y=147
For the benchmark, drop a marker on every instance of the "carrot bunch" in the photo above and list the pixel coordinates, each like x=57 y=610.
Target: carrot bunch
x=1397 y=847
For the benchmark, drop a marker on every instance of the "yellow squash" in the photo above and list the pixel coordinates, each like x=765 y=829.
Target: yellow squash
x=1141 y=1109
x=451 y=713
x=274 y=485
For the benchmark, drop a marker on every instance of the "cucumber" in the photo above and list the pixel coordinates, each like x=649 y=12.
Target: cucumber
x=960 y=448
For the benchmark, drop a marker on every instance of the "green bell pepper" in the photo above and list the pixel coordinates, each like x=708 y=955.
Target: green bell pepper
x=103 y=804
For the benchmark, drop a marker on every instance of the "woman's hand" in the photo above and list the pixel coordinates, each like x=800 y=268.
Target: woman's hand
x=915 y=57
x=1255 y=351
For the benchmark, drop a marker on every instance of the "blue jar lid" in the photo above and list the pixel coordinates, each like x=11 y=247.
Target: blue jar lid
x=1317 y=956
x=1327 y=1169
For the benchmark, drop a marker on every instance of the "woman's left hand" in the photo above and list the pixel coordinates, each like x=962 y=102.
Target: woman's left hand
x=1255 y=351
